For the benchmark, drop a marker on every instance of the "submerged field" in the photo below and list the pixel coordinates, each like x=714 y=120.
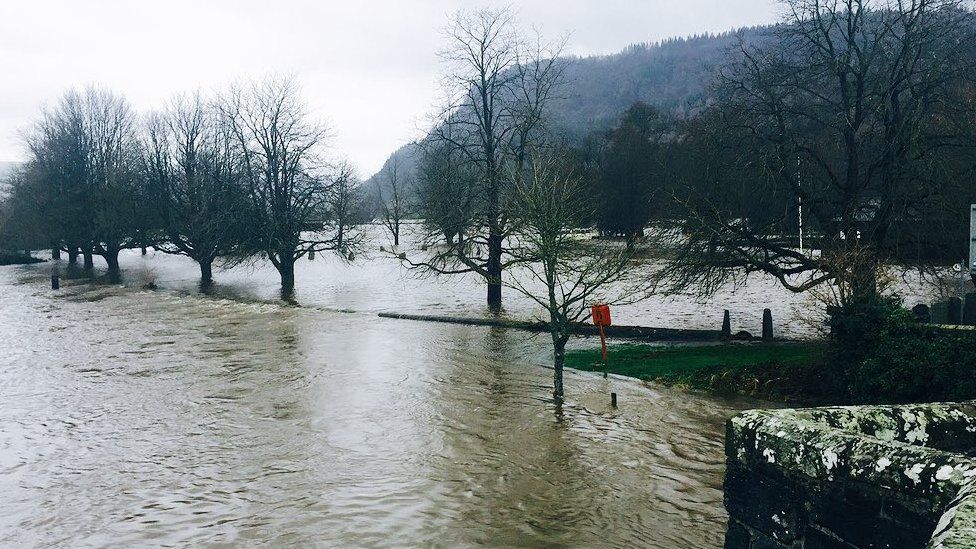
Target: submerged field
x=167 y=417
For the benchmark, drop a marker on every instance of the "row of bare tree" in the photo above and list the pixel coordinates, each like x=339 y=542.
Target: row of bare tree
x=859 y=110
x=228 y=177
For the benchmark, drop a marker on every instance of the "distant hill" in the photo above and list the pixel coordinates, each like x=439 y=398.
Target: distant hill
x=672 y=75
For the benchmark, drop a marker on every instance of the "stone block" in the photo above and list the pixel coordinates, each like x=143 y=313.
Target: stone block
x=969 y=310
x=852 y=477
x=763 y=504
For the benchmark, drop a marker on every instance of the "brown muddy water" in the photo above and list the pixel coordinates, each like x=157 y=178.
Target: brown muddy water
x=131 y=417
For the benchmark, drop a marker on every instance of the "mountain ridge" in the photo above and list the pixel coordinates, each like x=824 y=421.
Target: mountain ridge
x=672 y=75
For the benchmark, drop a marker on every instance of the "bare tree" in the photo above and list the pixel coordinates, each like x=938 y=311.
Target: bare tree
x=562 y=272
x=85 y=153
x=191 y=162
x=345 y=208
x=498 y=91
x=115 y=184
x=843 y=111
x=445 y=193
x=285 y=172
x=396 y=205
x=58 y=144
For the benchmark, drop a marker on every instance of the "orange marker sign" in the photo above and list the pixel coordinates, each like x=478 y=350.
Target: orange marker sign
x=601 y=318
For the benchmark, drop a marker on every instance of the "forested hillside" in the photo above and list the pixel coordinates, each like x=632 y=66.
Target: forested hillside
x=672 y=76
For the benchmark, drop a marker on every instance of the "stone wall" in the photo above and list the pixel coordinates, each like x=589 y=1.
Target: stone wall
x=852 y=477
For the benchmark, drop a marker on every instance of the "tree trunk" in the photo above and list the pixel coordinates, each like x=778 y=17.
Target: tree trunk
x=72 y=256
x=494 y=268
x=89 y=263
x=286 y=268
x=143 y=250
x=863 y=282
x=55 y=252
x=558 y=359
x=206 y=272
x=111 y=256
x=396 y=237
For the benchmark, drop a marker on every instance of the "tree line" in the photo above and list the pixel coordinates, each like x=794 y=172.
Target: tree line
x=244 y=172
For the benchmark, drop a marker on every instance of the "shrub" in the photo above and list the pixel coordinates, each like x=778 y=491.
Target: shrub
x=881 y=355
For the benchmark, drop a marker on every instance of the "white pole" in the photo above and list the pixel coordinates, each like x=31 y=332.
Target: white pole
x=800 y=208
x=972 y=241
x=801 y=224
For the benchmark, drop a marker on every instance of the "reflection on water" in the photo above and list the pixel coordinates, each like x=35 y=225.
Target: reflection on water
x=138 y=417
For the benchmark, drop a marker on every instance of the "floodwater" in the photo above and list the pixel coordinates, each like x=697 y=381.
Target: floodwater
x=169 y=418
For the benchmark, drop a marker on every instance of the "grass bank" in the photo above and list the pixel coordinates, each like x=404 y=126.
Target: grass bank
x=780 y=371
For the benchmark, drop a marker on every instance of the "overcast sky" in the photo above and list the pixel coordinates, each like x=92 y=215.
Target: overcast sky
x=368 y=67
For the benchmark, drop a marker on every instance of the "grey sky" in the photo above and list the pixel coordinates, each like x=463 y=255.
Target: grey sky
x=369 y=68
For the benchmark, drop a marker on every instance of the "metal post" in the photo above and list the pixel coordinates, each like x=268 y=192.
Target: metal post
x=972 y=242
x=603 y=344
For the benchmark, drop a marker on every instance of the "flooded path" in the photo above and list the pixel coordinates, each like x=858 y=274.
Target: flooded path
x=136 y=417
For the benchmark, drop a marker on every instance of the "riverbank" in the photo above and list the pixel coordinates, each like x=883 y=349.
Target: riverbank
x=774 y=371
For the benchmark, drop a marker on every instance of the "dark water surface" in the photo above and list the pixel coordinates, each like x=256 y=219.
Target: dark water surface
x=135 y=417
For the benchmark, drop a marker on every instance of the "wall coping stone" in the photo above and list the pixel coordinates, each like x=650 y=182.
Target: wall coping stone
x=923 y=457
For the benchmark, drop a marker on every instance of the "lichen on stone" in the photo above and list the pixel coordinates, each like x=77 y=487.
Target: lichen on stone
x=907 y=451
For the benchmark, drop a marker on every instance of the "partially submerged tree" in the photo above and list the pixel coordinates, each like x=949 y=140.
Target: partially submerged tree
x=288 y=178
x=192 y=165
x=58 y=145
x=561 y=271
x=499 y=90
x=445 y=193
x=345 y=208
x=114 y=185
x=84 y=161
x=395 y=205
x=24 y=224
x=845 y=110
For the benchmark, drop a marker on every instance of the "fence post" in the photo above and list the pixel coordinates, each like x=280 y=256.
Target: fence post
x=955 y=311
x=767 y=325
